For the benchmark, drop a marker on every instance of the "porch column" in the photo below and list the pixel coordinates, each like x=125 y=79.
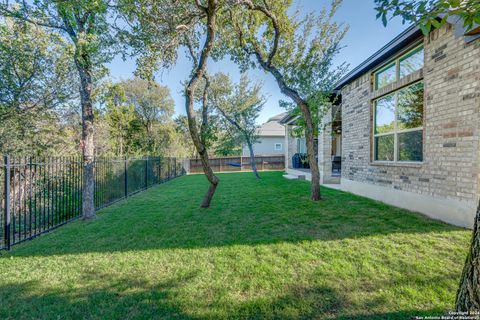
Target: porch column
x=285 y=148
x=325 y=148
x=291 y=147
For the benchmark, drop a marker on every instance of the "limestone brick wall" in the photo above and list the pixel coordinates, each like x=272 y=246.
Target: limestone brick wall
x=450 y=168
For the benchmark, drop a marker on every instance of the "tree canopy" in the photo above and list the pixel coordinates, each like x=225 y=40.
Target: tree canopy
x=430 y=13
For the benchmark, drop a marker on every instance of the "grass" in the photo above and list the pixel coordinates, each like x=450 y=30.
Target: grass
x=262 y=251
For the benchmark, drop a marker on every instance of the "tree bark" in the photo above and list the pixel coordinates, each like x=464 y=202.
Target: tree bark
x=87 y=143
x=198 y=73
x=252 y=157
x=307 y=116
x=266 y=64
x=468 y=294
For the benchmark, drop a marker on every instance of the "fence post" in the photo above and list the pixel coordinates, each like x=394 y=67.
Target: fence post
x=6 y=176
x=169 y=168
x=146 y=173
x=175 y=167
x=125 y=170
x=160 y=170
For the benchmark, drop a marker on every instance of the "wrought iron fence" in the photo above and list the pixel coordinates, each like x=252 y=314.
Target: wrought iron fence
x=38 y=195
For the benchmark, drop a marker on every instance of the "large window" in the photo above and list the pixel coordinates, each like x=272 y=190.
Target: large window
x=401 y=67
x=398 y=125
x=301 y=145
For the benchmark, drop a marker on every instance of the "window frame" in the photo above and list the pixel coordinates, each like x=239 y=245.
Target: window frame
x=396 y=62
x=395 y=131
x=407 y=55
x=278 y=144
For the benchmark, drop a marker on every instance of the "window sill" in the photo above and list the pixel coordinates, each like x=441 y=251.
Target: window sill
x=397 y=164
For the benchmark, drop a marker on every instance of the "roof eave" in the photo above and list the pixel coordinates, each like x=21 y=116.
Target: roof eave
x=409 y=35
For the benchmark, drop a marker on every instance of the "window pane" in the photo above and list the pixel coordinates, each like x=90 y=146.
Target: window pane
x=386 y=76
x=410 y=107
x=412 y=62
x=410 y=146
x=384 y=148
x=385 y=114
x=301 y=145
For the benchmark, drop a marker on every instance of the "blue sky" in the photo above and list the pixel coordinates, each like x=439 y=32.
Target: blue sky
x=366 y=35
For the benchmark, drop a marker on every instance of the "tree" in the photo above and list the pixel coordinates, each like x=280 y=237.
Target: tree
x=240 y=105
x=122 y=120
x=160 y=29
x=297 y=52
x=84 y=24
x=35 y=88
x=430 y=13
x=152 y=103
x=425 y=14
x=181 y=128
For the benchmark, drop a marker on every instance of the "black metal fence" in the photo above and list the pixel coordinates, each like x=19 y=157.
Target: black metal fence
x=38 y=195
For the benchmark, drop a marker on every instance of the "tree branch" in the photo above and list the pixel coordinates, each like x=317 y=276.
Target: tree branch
x=13 y=14
x=276 y=27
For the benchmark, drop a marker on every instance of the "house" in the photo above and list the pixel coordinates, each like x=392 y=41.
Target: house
x=330 y=159
x=408 y=126
x=271 y=138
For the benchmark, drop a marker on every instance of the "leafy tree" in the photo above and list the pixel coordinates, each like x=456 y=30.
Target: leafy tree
x=152 y=103
x=181 y=128
x=297 y=51
x=430 y=13
x=84 y=24
x=229 y=142
x=35 y=88
x=240 y=105
x=160 y=28
x=122 y=120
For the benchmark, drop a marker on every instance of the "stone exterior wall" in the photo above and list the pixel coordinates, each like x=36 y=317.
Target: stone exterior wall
x=291 y=146
x=325 y=149
x=450 y=169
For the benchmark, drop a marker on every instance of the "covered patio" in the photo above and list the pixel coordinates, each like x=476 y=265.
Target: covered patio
x=328 y=149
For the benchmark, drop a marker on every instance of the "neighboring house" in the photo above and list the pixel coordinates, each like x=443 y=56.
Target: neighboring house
x=410 y=125
x=271 y=138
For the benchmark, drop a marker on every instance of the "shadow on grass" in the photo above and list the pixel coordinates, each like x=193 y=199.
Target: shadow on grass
x=124 y=298
x=245 y=211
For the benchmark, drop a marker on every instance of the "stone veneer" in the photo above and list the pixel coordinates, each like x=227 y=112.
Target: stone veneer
x=291 y=143
x=450 y=169
x=325 y=149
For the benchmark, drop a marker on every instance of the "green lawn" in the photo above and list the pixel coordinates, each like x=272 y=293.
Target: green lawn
x=262 y=251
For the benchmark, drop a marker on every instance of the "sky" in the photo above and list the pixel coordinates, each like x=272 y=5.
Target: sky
x=365 y=36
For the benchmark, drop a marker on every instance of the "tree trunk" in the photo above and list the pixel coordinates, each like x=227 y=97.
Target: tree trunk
x=252 y=158
x=468 y=294
x=266 y=64
x=87 y=143
x=312 y=159
x=309 y=129
x=198 y=73
x=247 y=140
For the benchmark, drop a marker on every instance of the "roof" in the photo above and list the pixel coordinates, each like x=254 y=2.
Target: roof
x=272 y=128
x=288 y=119
x=411 y=34
x=278 y=117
